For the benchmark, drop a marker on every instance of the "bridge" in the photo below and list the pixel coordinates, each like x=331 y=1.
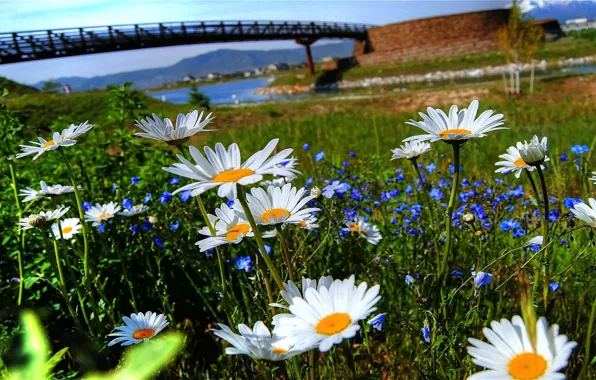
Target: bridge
x=45 y=44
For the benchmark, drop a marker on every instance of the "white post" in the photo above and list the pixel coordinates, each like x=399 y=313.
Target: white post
x=532 y=79
x=504 y=82
x=517 y=81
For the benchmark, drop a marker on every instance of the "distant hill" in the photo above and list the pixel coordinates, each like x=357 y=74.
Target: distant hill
x=221 y=61
x=15 y=88
x=563 y=10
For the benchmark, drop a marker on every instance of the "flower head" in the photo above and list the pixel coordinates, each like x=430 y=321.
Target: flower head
x=510 y=353
x=534 y=152
x=134 y=210
x=67 y=137
x=138 y=328
x=164 y=130
x=229 y=229
x=101 y=213
x=291 y=291
x=457 y=126
x=514 y=163
x=68 y=228
x=42 y=219
x=45 y=191
x=364 y=229
x=411 y=150
x=586 y=213
x=222 y=168
x=377 y=321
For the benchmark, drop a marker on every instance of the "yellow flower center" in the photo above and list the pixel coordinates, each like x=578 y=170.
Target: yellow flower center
x=66 y=230
x=237 y=230
x=519 y=162
x=302 y=224
x=49 y=144
x=527 y=366
x=275 y=213
x=104 y=215
x=333 y=324
x=233 y=175
x=143 y=333
x=279 y=350
x=457 y=131
x=354 y=227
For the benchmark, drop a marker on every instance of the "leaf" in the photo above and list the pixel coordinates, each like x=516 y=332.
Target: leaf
x=35 y=348
x=146 y=359
x=55 y=359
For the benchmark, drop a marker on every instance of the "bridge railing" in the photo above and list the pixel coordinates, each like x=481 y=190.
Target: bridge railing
x=41 y=44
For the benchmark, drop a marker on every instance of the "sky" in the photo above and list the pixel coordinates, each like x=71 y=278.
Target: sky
x=24 y=15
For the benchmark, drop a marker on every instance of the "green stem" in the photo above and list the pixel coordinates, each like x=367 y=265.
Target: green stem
x=261 y=245
x=546 y=258
x=122 y=260
x=449 y=211
x=429 y=207
x=534 y=188
x=13 y=178
x=349 y=357
x=587 y=358
x=286 y=251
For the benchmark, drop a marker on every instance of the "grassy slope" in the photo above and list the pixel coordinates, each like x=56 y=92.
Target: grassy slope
x=564 y=48
x=15 y=88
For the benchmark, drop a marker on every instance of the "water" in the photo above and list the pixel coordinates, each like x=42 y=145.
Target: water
x=223 y=93
x=580 y=70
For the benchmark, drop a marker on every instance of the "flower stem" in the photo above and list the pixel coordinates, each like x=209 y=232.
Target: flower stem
x=449 y=211
x=122 y=260
x=534 y=188
x=349 y=357
x=546 y=259
x=584 y=372
x=429 y=207
x=13 y=178
x=286 y=251
x=261 y=245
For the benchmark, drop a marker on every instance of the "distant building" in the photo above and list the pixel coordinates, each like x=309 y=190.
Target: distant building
x=258 y=71
x=278 y=67
x=577 y=24
x=212 y=76
x=247 y=74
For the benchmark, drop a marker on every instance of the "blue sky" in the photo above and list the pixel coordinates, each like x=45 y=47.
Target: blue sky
x=22 y=15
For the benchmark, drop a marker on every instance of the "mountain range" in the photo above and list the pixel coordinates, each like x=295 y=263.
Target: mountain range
x=221 y=61
x=562 y=10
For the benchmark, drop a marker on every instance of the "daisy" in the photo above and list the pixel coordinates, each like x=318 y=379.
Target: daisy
x=47 y=191
x=309 y=224
x=223 y=169
x=411 y=150
x=100 y=213
x=326 y=316
x=586 y=213
x=457 y=126
x=511 y=355
x=42 y=219
x=258 y=343
x=229 y=229
x=134 y=210
x=276 y=182
x=68 y=228
x=164 y=130
x=65 y=138
x=366 y=230
x=291 y=291
x=593 y=179
x=534 y=152
x=138 y=328
x=513 y=162
x=277 y=205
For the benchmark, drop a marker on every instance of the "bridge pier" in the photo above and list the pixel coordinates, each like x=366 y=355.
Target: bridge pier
x=306 y=42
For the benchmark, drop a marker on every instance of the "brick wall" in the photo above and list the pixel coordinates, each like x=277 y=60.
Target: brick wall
x=431 y=38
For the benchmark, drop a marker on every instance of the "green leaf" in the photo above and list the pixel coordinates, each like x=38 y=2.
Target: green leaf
x=35 y=348
x=146 y=359
x=55 y=359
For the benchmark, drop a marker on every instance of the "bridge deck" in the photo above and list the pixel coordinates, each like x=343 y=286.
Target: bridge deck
x=44 y=44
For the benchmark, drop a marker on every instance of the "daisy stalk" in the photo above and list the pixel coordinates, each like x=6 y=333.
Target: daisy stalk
x=545 y=234
x=286 y=251
x=429 y=209
x=449 y=212
x=13 y=178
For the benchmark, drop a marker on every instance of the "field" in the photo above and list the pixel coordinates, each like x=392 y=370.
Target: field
x=149 y=262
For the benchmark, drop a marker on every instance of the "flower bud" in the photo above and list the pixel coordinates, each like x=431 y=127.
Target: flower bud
x=469 y=218
x=534 y=152
x=152 y=219
x=37 y=221
x=316 y=192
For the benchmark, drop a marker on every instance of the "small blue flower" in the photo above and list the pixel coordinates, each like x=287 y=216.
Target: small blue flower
x=377 y=322
x=509 y=225
x=147 y=226
x=134 y=229
x=135 y=180
x=243 y=263
x=436 y=194
x=185 y=195
x=563 y=157
x=159 y=242
x=409 y=279
x=580 y=149
x=267 y=249
x=345 y=164
x=426 y=333
x=306 y=146
x=309 y=181
x=519 y=233
x=352 y=154
x=101 y=228
x=457 y=273
x=482 y=278
x=230 y=203
x=174 y=181
x=430 y=168
x=319 y=156
x=553 y=286
x=165 y=197
x=86 y=206
x=570 y=202
x=174 y=226
x=147 y=198
x=127 y=203
x=114 y=187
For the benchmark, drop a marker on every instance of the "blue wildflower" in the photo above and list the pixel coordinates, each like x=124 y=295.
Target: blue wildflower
x=377 y=322
x=134 y=180
x=426 y=333
x=580 y=149
x=101 y=228
x=563 y=157
x=134 y=229
x=352 y=154
x=86 y=206
x=174 y=226
x=185 y=195
x=147 y=225
x=482 y=278
x=319 y=156
x=457 y=273
x=306 y=146
x=509 y=225
x=430 y=168
x=127 y=203
x=243 y=263
x=335 y=186
x=165 y=197
x=114 y=187
x=147 y=198
x=409 y=279
x=570 y=202
x=174 y=181
x=159 y=242
x=309 y=181
x=519 y=233
x=553 y=286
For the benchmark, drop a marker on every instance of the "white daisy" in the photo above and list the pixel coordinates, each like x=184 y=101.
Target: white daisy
x=513 y=162
x=593 y=179
x=411 y=150
x=326 y=316
x=533 y=152
x=586 y=213
x=229 y=229
x=69 y=227
x=366 y=230
x=135 y=210
x=511 y=355
x=258 y=343
x=277 y=205
x=46 y=191
x=276 y=182
x=291 y=291
x=65 y=138
x=138 y=328
x=223 y=169
x=42 y=219
x=164 y=130
x=100 y=213
x=462 y=125
x=309 y=224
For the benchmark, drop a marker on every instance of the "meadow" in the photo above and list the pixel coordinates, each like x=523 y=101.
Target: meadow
x=448 y=262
